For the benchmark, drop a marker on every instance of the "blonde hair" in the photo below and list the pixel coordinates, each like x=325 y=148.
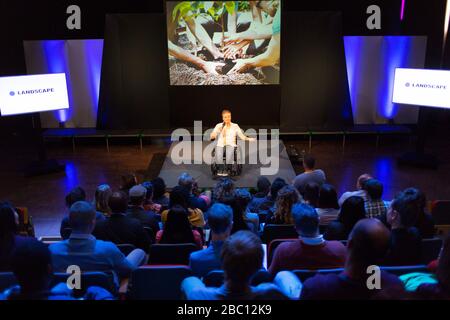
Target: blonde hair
x=287 y=197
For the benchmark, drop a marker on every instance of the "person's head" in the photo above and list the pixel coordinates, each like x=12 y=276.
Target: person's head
x=9 y=221
x=374 y=189
x=443 y=269
x=32 y=265
x=328 y=197
x=128 y=181
x=243 y=198
x=287 y=197
x=186 y=180
x=118 y=202
x=351 y=212
x=361 y=181
x=309 y=162
x=306 y=220
x=179 y=196
x=311 y=193
x=238 y=212
x=76 y=194
x=268 y=7
x=242 y=257
x=276 y=186
x=102 y=195
x=177 y=228
x=159 y=187
x=149 y=187
x=263 y=185
x=418 y=196
x=137 y=195
x=367 y=244
x=224 y=188
x=403 y=212
x=226 y=116
x=82 y=217
x=220 y=219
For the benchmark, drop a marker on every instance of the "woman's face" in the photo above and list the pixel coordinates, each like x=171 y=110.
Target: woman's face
x=226 y=117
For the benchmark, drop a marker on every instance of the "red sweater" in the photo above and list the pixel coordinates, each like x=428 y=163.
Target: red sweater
x=296 y=254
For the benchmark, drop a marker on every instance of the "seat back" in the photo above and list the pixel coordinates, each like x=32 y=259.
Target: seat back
x=50 y=239
x=216 y=278
x=304 y=274
x=157 y=282
x=150 y=233
x=278 y=231
x=103 y=280
x=7 y=280
x=441 y=212
x=126 y=248
x=272 y=247
x=401 y=270
x=171 y=253
x=430 y=249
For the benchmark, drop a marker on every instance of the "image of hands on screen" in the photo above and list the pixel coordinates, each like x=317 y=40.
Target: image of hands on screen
x=224 y=42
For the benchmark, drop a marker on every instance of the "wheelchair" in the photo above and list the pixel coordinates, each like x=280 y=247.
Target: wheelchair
x=224 y=169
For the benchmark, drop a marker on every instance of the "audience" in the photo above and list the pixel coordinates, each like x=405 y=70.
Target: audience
x=178 y=229
x=75 y=195
x=405 y=242
x=159 y=193
x=425 y=222
x=102 y=194
x=327 y=207
x=351 y=212
x=136 y=209
x=179 y=196
x=220 y=221
x=286 y=198
x=224 y=188
x=238 y=213
x=9 y=221
x=375 y=206
x=128 y=181
x=311 y=194
x=187 y=181
x=311 y=250
x=268 y=207
x=360 y=189
x=261 y=196
x=32 y=266
x=367 y=246
x=243 y=198
x=242 y=256
x=84 y=250
x=120 y=228
x=310 y=174
x=149 y=205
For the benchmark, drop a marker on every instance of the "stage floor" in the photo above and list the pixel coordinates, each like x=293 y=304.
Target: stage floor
x=202 y=172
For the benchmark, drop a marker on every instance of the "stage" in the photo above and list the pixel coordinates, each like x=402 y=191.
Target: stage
x=202 y=171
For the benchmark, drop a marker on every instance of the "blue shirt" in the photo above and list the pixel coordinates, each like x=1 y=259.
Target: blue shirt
x=90 y=254
x=203 y=261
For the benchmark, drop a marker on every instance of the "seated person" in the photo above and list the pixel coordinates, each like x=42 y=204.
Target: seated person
x=159 y=193
x=187 y=181
x=327 y=207
x=425 y=221
x=261 y=195
x=136 y=209
x=128 y=181
x=121 y=229
x=149 y=205
x=268 y=207
x=375 y=206
x=177 y=229
x=367 y=245
x=242 y=256
x=32 y=265
x=76 y=194
x=239 y=222
x=102 y=194
x=360 y=189
x=179 y=196
x=287 y=197
x=311 y=194
x=84 y=250
x=405 y=247
x=310 y=174
x=310 y=251
x=243 y=198
x=351 y=212
x=220 y=221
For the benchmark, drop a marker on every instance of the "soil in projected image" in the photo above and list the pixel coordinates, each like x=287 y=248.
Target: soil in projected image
x=224 y=42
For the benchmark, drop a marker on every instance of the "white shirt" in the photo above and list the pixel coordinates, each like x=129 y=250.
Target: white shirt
x=227 y=135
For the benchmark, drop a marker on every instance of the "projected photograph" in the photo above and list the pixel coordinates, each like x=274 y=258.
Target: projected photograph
x=224 y=42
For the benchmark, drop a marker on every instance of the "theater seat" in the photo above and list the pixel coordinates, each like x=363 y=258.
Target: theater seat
x=278 y=231
x=305 y=274
x=431 y=249
x=401 y=270
x=157 y=282
x=171 y=253
x=440 y=210
x=216 y=278
x=103 y=280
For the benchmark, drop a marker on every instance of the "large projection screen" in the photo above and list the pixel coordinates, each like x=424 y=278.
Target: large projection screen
x=422 y=87
x=224 y=42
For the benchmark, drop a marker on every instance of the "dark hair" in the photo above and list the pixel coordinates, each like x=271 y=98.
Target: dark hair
x=224 y=188
x=306 y=219
x=287 y=197
x=374 y=189
x=81 y=215
x=31 y=263
x=102 y=195
x=220 y=217
x=263 y=185
x=238 y=213
x=407 y=207
x=186 y=180
x=276 y=186
x=309 y=161
x=418 y=196
x=76 y=194
x=149 y=187
x=311 y=193
x=242 y=256
x=328 y=197
x=118 y=202
x=179 y=196
x=8 y=227
x=443 y=269
x=177 y=228
x=351 y=212
x=128 y=181
x=159 y=187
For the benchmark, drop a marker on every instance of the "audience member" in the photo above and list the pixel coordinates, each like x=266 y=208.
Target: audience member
x=375 y=206
x=224 y=188
x=220 y=221
x=425 y=221
x=238 y=217
x=328 y=207
x=102 y=194
x=243 y=198
x=310 y=251
x=352 y=211
x=180 y=196
x=159 y=193
x=9 y=221
x=360 y=189
x=128 y=181
x=136 y=209
x=311 y=194
x=149 y=205
x=261 y=196
x=286 y=198
x=310 y=174
x=188 y=182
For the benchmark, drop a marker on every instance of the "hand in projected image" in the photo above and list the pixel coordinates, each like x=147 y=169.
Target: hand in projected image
x=235 y=50
x=241 y=65
x=233 y=38
x=210 y=66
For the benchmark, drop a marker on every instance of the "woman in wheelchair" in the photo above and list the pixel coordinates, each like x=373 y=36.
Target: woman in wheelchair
x=226 y=153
